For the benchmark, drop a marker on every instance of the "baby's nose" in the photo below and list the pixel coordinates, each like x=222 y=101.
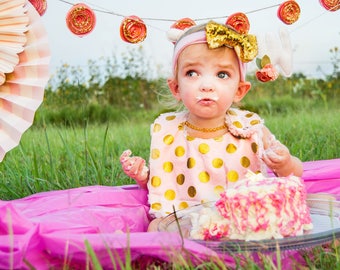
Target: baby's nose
x=207 y=85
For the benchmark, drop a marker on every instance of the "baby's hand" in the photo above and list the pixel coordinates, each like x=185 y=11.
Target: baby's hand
x=277 y=157
x=135 y=168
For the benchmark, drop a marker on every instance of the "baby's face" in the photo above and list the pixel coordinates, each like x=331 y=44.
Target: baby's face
x=208 y=79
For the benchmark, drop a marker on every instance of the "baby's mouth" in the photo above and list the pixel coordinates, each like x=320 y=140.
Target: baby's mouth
x=207 y=99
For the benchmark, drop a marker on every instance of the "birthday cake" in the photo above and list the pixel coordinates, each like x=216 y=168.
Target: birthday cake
x=256 y=208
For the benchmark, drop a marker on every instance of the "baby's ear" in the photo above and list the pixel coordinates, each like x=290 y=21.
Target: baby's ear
x=173 y=86
x=242 y=90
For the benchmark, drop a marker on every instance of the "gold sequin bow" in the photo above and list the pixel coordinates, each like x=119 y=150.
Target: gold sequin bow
x=219 y=35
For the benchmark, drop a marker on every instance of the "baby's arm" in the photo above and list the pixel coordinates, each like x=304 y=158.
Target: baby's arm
x=135 y=168
x=278 y=158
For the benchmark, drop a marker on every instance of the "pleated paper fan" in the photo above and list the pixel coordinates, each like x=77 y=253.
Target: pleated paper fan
x=23 y=90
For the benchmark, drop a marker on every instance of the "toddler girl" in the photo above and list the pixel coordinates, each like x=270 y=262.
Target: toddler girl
x=199 y=152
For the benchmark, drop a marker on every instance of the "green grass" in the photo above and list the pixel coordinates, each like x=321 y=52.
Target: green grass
x=59 y=157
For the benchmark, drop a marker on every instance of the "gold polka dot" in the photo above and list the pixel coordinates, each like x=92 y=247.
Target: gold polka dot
x=170 y=194
x=237 y=124
x=179 y=151
x=168 y=139
x=192 y=191
x=254 y=122
x=203 y=148
x=250 y=114
x=245 y=162
x=191 y=162
x=204 y=177
x=183 y=205
x=218 y=139
x=218 y=190
x=156 y=181
x=254 y=147
x=231 y=148
x=180 y=179
x=168 y=166
x=156 y=206
x=155 y=153
x=217 y=163
x=180 y=126
x=170 y=117
x=231 y=112
x=156 y=127
x=189 y=138
x=232 y=176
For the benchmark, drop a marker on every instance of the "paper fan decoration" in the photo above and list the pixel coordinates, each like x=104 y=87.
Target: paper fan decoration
x=40 y=6
x=133 y=29
x=289 y=12
x=330 y=5
x=81 y=20
x=23 y=89
x=239 y=21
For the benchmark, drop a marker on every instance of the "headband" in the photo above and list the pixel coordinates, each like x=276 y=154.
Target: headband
x=217 y=35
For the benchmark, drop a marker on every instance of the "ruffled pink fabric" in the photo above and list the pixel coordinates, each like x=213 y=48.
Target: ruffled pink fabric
x=42 y=228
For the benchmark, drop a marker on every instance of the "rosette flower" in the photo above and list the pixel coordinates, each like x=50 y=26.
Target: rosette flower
x=178 y=28
x=39 y=5
x=183 y=23
x=267 y=71
x=289 y=12
x=239 y=21
x=133 y=29
x=80 y=19
x=330 y=5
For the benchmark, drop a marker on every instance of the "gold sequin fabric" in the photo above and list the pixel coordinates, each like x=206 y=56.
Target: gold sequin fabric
x=185 y=171
x=245 y=45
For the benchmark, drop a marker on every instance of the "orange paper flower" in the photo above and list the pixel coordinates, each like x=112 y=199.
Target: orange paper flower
x=331 y=5
x=289 y=12
x=183 y=23
x=133 y=29
x=267 y=73
x=80 y=19
x=239 y=21
x=39 y=5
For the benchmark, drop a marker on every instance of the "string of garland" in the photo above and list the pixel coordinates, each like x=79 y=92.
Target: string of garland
x=106 y=11
x=81 y=18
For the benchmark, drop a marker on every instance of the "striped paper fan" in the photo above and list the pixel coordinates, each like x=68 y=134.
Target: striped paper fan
x=23 y=89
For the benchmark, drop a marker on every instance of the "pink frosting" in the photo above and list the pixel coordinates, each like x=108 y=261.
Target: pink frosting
x=261 y=209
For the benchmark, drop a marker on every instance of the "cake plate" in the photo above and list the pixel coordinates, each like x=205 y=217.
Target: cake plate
x=325 y=214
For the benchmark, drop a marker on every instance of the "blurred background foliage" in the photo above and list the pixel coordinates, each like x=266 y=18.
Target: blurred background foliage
x=127 y=86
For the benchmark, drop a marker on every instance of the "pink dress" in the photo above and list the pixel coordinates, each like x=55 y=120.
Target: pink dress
x=186 y=171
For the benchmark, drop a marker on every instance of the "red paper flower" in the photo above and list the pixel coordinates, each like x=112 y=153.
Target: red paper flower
x=239 y=21
x=183 y=23
x=331 y=5
x=80 y=19
x=267 y=73
x=39 y=5
x=133 y=29
x=289 y=12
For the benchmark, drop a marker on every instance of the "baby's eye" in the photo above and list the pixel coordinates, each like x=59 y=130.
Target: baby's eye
x=223 y=75
x=191 y=73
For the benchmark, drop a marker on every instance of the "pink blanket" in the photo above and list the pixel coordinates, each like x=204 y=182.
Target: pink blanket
x=51 y=229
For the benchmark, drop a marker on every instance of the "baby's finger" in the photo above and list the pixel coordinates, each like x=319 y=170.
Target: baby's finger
x=125 y=155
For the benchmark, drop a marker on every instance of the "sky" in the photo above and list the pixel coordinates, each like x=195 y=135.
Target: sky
x=312 y=36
